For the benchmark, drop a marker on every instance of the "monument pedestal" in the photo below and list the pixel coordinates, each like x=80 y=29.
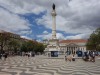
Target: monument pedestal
x=53 y=48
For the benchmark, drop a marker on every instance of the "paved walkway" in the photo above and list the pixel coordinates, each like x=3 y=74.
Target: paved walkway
x=41 y=65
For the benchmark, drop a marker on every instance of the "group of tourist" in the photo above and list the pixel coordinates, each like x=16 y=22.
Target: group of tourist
x=4 y=55
x=86 y=56
x=28 y=54
x=89 y=56
x=70 y=57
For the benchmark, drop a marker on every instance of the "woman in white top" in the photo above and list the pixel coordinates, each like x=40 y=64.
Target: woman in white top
x=73 y=58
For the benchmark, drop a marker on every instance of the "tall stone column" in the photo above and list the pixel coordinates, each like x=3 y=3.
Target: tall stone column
x=53 y=22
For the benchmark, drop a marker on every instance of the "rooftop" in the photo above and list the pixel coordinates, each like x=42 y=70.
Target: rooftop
x=74 y=41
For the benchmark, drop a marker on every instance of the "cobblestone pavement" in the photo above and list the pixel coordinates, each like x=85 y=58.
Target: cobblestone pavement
x=47 y=66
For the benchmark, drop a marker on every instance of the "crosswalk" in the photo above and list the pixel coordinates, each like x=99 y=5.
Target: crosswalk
x=47 y=66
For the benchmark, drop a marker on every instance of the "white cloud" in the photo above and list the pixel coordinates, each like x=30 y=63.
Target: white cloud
x=39 y=40
x=26 y=32
x=45 y=32
x=79 y=36
x=21 y=6
x=26 y=37
x=60 y=36
x=49 y=36
x=76 y=16
x=12 y=22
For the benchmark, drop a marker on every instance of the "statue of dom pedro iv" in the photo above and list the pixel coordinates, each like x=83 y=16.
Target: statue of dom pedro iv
x=53 y=6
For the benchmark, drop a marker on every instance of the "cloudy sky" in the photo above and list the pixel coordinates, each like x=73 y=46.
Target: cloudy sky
x=76 y=19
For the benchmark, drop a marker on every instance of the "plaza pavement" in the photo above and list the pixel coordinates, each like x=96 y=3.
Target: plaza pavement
x=42 y=65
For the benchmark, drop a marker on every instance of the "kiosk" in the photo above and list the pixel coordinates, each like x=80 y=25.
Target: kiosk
x=54 y=53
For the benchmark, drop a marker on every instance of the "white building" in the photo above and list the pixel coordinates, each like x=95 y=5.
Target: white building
x=73 y=45
x=67 y=45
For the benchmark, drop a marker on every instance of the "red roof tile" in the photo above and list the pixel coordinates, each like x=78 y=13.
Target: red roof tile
x=74 y=41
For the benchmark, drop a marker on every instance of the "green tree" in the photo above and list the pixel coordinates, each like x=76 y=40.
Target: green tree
x=14 y=45
x=28 y=46
x=94 y=40
x=24 y=47
x=39 y=48
x=33 y=46
x=4 y=39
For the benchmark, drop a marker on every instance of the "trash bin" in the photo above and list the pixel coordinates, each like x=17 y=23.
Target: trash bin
x=79 y=53
x=54 y=53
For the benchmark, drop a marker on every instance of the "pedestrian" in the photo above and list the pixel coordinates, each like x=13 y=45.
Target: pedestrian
x=73 y=57
x=28 y=54
x=93 y=57
x=86 y=56
x=0 y=56
x=5 y=56
x=69 y=58
x=65 y=58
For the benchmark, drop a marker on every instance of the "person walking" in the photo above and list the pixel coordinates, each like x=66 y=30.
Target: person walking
x=5 y=56
x=0 y=56
x=65 y=58
x=93 y=57
x=73 y=57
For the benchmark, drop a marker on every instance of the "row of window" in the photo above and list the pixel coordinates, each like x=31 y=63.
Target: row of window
x=73 y=48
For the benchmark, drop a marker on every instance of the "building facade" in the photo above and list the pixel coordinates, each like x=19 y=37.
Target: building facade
x=72 y=45
x=68 y=45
